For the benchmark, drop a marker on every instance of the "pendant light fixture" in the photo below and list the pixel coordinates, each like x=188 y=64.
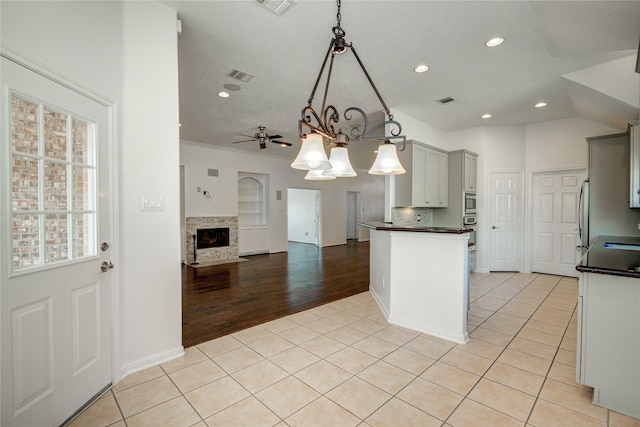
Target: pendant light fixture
x=313 y=127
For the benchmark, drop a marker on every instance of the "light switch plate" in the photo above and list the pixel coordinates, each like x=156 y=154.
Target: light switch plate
x=151 y=203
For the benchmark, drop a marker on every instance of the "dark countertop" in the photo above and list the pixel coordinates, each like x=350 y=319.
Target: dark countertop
x=388 y=226
x=615 y=262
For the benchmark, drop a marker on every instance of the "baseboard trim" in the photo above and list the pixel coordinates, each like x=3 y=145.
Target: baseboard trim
x=150 y=361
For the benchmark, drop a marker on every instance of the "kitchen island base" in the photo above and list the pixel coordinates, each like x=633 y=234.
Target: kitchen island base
x=420 y=280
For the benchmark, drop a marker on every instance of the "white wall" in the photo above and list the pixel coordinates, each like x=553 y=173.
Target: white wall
x=197 y=158
x=151 y=285
x=561 y=143
x=420 y=131
x=108 y=47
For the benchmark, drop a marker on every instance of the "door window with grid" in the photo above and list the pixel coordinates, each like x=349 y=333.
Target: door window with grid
x=53 y=186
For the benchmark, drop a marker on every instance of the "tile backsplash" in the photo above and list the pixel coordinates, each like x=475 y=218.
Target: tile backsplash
x=412 y=216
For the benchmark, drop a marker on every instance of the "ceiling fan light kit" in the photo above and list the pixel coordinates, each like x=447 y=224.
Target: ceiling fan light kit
x=312 y=155
x=263 y=137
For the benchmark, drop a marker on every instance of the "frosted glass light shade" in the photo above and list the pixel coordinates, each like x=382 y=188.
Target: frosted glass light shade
x=387 y=162
x=340 y=163
x=318 y=175
x=312 y=154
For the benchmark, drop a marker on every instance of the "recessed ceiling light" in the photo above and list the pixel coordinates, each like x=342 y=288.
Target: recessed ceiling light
x=421 y=68
x=486 y=116
x=223 y=94
x=540 y=104
x=496 y=41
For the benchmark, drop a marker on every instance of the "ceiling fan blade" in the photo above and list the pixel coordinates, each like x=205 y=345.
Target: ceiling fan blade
x=274 y=136
x=288 y=144
x=248 y=136
x=246 y=140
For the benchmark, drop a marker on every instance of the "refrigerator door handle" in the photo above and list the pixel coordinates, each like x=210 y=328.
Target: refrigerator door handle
x=581 y=211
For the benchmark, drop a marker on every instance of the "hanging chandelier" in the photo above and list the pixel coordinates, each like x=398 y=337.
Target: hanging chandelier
x=315 y=128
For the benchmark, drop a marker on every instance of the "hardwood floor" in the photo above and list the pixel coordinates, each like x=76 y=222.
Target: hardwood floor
x=222 y=299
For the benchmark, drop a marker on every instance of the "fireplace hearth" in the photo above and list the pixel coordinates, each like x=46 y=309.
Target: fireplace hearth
x=212 y=237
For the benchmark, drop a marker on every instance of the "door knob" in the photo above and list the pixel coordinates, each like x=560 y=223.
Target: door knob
x=106 y=266
x=493 y=227
x=104 y=246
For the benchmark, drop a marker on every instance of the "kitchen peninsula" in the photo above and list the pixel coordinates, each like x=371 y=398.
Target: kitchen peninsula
x=608 y=349
x=419 y=277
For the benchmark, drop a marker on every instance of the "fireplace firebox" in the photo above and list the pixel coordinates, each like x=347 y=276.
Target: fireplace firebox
x=212 y=237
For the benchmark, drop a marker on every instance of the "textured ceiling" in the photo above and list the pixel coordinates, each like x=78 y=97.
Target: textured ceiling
x=545 y=40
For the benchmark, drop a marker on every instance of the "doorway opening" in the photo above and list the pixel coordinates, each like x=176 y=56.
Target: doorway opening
x=353 y=214
x=303 y=216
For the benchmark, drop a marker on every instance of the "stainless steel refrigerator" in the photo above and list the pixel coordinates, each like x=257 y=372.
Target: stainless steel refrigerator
x=604 y=204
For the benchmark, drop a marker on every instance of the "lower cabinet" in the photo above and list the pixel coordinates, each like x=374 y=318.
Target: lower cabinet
x=253 y=240
x=608 y=347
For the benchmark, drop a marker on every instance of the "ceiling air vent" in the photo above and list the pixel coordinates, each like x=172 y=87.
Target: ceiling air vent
x=279 y=7
x=240 y=75
x=446 y=100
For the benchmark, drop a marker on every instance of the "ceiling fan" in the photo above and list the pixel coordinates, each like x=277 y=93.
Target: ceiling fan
x=263 y=137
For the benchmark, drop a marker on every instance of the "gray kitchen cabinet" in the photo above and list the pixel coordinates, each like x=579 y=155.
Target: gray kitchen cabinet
x=470 y=168
x=609 y=340
x=426 y=182
x=462 y=178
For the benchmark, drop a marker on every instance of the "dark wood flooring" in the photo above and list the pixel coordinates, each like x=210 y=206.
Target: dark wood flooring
x=222 y=299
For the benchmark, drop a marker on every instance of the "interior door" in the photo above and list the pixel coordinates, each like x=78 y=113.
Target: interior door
x=555 y=222
x=56 y=304
x=506 y=222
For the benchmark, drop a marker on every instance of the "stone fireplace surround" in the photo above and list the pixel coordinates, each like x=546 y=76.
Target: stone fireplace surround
x=212 y=255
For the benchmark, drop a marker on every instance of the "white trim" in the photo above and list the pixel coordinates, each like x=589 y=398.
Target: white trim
x=153 y=360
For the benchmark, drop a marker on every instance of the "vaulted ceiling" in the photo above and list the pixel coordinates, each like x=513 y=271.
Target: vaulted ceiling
x=579 y=57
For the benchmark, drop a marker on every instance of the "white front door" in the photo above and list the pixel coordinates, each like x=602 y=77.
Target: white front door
x=56 y=304
x=555 y=222
x=506 y=222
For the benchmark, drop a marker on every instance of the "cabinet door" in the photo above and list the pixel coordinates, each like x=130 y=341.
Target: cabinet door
x=443 y=180
x=470 y=170
x=419 y=176
x=432 y=179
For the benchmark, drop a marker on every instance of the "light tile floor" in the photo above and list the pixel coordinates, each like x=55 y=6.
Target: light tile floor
x=342 y=364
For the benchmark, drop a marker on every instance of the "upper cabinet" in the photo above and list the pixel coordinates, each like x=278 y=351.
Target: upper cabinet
x=634 y=134
x=426 y=182
x=470 y=171
x=462 y=179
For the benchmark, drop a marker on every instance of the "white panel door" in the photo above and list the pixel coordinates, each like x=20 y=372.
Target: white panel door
x=555 y=234
x=506 y=222
x=55 y=302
